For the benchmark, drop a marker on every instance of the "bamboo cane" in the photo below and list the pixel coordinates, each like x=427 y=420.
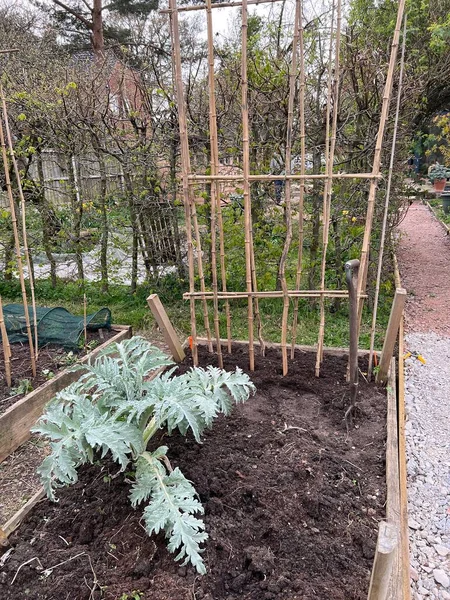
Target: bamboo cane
x=6 y=347
x=268 y=294
x=246 y=173
x=328 y=187
x=298 y=276
x=262 y=344
x=386 y=204
x=287 y=196
x=85 y=321
x=215 y=187
x=362 y=280
x=215 y=5
x=195 y=179
x=24 y=223
x=17 y=248
x=187 y=201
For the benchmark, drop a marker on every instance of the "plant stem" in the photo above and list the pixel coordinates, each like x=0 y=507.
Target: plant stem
x=150 y=431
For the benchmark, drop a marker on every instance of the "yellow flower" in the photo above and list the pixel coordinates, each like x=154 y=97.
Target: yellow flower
x=345 y=212
x=353 y=219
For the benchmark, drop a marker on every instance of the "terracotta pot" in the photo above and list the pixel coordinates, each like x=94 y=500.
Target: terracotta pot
x=439 y=185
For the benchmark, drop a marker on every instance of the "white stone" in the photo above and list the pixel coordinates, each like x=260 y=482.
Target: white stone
x=441 y=577
x=441 y=550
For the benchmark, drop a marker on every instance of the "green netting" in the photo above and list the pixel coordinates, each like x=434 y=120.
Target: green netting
x=54 y=325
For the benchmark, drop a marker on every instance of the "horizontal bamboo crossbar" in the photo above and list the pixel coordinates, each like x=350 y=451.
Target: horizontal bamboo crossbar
x=270 y=294
x=331 y=350
x=193 y=178
x=166 y=11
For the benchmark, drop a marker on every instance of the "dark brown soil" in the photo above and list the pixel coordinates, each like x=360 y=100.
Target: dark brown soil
x=292 y=504
x=52 y=359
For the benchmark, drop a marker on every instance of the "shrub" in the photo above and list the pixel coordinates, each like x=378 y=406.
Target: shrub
x=115 y=408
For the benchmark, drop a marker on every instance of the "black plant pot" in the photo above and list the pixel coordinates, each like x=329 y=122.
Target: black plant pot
x=446 y=203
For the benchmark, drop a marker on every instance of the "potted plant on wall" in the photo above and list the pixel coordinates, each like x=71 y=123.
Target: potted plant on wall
x=438 y=177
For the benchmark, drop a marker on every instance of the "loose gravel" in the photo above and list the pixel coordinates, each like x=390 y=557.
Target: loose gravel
x=424 y=258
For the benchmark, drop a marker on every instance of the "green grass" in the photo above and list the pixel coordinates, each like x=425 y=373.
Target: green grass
x=132 y=309
x=436 y=203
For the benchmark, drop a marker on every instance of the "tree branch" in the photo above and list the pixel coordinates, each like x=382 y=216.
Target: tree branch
x=74 y=13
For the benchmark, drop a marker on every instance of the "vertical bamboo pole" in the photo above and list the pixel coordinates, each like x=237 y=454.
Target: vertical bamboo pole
x=85 y=320
x=302 y=172
x=328 y=187
x=24 y=223
x=262 y=343
x=386 y=203
x=17 y=248
x=185 y=167
x=287 y=198
x=362 y=281
x=6 y=347
x=215 y=186
x=246 y=173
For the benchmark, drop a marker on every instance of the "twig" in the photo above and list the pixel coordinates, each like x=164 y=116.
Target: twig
x=289 y=427
x=49 y=571
x=26 y=563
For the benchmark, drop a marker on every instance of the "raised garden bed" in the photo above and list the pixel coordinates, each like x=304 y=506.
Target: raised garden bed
x=292 y=502
x=21 y=414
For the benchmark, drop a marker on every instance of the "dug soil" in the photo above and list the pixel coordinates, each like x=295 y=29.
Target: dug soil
x=292 y=501
x=51 y=360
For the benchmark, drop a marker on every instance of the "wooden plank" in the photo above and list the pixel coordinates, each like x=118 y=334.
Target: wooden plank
x=302 y=348
x=393 y=483
x=17 y=420
x=170 y=336
x=17 y=518
x=404 y=531
x=387 y=544
x=387 y=353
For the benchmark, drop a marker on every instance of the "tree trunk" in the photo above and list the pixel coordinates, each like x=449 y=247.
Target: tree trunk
x=135 y=229
x=46 y=215
x=77 y=209
x=104 y=224
x=97 y=39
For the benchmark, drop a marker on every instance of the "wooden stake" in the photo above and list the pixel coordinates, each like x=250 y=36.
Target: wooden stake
x=391 y=334
x=377 y=158
x=24 y=222
x=246 y=174
x=383 y=561
x=301 y=200
x=328 y=187
x=215 y=187
x=12 y=209
x=185 y=166
x=287 y=196
x=386 y=204
x=6 y=347
x=170 y=336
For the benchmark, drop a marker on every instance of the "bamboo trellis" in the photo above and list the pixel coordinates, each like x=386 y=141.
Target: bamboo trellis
x=12 y=208
x=215 y=179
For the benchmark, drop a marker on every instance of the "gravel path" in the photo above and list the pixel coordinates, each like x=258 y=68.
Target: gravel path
x=424 y=259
